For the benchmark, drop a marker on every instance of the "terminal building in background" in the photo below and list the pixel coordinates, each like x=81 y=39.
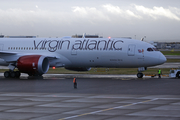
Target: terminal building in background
x=86 y=36
x=20 y=36
x=1 y=36
x=168 y=45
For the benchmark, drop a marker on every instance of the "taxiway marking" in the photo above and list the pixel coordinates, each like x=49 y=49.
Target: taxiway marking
x=103 y=110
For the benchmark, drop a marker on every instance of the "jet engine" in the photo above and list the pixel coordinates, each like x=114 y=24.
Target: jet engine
x=33 y=64
x=78 y=68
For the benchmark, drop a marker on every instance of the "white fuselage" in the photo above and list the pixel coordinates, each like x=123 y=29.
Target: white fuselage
x=82 y=52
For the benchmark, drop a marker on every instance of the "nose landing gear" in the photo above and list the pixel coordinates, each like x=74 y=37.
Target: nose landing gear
x=140 y=69
x=139 y=75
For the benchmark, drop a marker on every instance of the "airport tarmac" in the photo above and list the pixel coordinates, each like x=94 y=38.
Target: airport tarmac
x=165 y=65
x=103 y=98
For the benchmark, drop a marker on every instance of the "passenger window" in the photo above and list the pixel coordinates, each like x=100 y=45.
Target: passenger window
x=149 y=49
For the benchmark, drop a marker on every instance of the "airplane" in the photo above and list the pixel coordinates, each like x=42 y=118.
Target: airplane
x=34 y=56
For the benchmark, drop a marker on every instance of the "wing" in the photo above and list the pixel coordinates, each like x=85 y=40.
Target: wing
x=11 y=57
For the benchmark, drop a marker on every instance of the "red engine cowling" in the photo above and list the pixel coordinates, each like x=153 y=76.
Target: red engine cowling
x=33 y=64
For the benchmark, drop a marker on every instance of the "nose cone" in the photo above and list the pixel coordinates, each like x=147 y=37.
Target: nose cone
x=162 y=59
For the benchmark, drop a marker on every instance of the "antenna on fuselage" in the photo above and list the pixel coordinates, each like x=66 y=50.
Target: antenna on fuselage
x=84 y=35
x=143 y=38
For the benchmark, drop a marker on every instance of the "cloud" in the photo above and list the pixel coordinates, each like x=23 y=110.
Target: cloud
x=19 y=16
x=120 y=13
x=108 y=19
x=113 y=9
x=175 y=10
x=130 y=13
x=109 y=11
x=92 y=14
x=81 y=10
x=105 y=12
x=157 y=12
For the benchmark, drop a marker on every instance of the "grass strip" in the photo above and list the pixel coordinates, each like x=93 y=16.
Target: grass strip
x=108 y=71
x=173 y=60
x=102 y=71
x=171 y=52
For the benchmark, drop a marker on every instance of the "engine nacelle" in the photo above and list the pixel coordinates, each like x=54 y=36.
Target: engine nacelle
x=78 y=68
x=33 y=64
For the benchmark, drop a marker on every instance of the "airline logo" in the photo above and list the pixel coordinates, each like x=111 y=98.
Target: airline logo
x=141 y=51
x=86 y=44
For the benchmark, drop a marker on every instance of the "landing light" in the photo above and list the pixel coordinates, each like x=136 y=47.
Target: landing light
x=109 y=37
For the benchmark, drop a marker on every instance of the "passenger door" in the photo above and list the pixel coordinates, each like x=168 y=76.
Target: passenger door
x=131 y=50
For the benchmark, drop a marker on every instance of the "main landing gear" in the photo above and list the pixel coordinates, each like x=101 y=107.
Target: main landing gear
x=12 y=74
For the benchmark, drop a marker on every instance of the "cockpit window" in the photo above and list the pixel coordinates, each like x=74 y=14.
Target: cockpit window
x=155 y=49
x=149 y=49
x=152 y=49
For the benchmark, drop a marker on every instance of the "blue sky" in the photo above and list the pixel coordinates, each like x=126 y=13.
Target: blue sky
x=157 y=20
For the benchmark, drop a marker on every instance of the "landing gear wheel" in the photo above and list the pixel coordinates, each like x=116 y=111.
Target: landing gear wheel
x=18 y=74
x=140 y=75
x=12 y=73
x=178 y=75
x=7 y=74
